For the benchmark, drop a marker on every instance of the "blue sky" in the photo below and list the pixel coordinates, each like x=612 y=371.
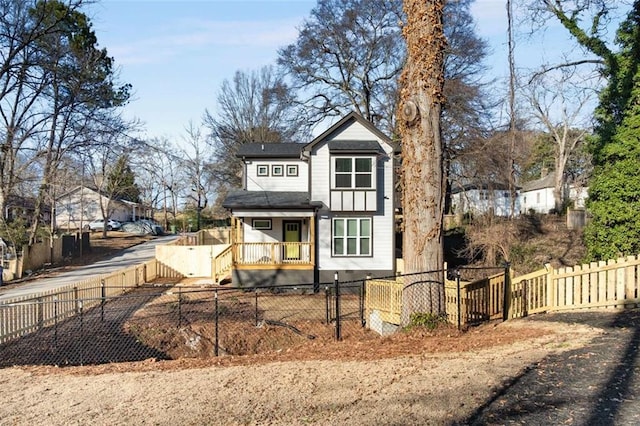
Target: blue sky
x=176 y=54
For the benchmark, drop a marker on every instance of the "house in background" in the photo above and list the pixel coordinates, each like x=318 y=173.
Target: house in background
x=17 y=207
x=310 y=210
x=537 y=195
x=82 y=205
x=478 y=199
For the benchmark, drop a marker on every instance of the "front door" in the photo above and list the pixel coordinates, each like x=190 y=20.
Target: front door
x=292 y=238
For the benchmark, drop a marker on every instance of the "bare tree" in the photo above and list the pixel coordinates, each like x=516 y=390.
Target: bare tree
x=348 y=56
x=422 y=97
x=158 y=166
x=196 y=166
x=558 y=105
x=253 y=107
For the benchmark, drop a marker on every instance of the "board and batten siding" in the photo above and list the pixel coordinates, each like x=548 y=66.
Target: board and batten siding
x=299 y=183
x=383 y=234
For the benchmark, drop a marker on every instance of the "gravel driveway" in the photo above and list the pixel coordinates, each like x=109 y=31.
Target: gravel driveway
x=594 y=385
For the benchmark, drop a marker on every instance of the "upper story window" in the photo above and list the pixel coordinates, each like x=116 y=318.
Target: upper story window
x=353 y=172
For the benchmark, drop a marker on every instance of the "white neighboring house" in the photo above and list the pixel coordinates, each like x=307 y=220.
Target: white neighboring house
x=310 y=210
x=481 y=199
x=82 y=205
x=537 y=195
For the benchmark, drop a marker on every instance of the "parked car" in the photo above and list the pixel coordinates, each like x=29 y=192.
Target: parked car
x=143 y=227
x=98 y=225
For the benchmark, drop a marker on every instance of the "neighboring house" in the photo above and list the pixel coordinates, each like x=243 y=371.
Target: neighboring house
x=310 y=210
x=17 y=207
x=491 y=199
x=81 y=205
x=537 y=195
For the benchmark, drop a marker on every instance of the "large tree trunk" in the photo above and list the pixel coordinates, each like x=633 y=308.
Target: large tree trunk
x=421 y=98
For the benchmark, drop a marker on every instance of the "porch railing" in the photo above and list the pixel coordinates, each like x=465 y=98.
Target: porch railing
x=273 y=254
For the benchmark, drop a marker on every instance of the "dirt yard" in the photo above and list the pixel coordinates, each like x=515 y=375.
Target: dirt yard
x=408 y=378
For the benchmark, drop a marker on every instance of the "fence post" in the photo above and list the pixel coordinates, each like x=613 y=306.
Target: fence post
x=179 y=307
x=506 y=303
x=217 y=316
x=82 y=336
x=362 y=296
x=103 y=296
x=256 y=305
x=336 y=284
x=327 y=304
x=55 y=321
x=459 y=295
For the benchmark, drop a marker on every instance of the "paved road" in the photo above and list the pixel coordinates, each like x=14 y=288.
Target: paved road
x=595 y=385
x=128 y=257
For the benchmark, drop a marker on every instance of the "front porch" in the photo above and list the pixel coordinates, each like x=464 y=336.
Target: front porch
x=261 y=247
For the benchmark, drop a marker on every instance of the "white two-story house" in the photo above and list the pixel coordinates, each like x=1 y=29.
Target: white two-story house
x=310 y=210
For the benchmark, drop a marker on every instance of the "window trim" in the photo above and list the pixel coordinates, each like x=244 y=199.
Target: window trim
x=266 y=227
x=264 y=167
x=275 y=167
x=292 y=170
x=358 y=237
x=353 y=173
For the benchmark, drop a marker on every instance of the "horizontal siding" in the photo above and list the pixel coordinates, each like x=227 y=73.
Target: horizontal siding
x=298 y=183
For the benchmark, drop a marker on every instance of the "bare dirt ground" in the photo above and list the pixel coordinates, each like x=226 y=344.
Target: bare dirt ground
x=442 y=377
x=408 y=378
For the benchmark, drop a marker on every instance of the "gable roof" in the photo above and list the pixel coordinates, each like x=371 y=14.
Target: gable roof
x=270 y=150
x=344 y=122
x=495 y=186
x=545 y=182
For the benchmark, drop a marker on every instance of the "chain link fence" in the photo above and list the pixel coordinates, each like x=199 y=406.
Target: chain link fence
x=174 y=321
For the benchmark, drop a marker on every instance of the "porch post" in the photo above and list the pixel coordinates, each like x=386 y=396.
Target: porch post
x=312 y=240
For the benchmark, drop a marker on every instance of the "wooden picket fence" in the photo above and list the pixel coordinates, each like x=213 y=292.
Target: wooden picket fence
x=613 y=284
x=26 y=314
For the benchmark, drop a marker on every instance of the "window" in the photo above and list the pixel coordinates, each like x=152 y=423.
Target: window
x=352 y=237
x=353 y=172
x=263 y=170
x=262 y=224
x=292 y=170
x=276 y=170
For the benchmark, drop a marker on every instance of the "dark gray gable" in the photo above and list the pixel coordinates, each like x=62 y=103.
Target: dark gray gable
x=347 y=120
x=270 y=150
x=267 y=200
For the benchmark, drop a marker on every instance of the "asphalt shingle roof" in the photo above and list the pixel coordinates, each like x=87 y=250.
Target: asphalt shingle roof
x=267 y=200
x=270 y=150
x=355 y=146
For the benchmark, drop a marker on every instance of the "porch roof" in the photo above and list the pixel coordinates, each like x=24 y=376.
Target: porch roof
x=268 y=200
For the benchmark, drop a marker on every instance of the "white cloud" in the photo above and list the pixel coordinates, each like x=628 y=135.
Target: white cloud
x=190 y=36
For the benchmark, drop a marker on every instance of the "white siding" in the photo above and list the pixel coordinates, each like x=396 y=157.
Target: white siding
x=383 y=231
x=299 y=183
x=355 y=132
x=273 y=235
x=539 y=200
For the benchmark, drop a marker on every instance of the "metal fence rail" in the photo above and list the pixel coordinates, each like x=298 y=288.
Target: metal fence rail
x=172 y=321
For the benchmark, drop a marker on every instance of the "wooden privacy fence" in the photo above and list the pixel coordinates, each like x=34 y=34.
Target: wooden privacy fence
x=605 y=284
x=26 y=314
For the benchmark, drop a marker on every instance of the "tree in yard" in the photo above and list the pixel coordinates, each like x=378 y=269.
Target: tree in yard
x=348 y=56
x=613 y=190
x=551 y=95
x=196 y=166
x=80 y=90
x=253 y=107
x=421 y=99
x=121 y=181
